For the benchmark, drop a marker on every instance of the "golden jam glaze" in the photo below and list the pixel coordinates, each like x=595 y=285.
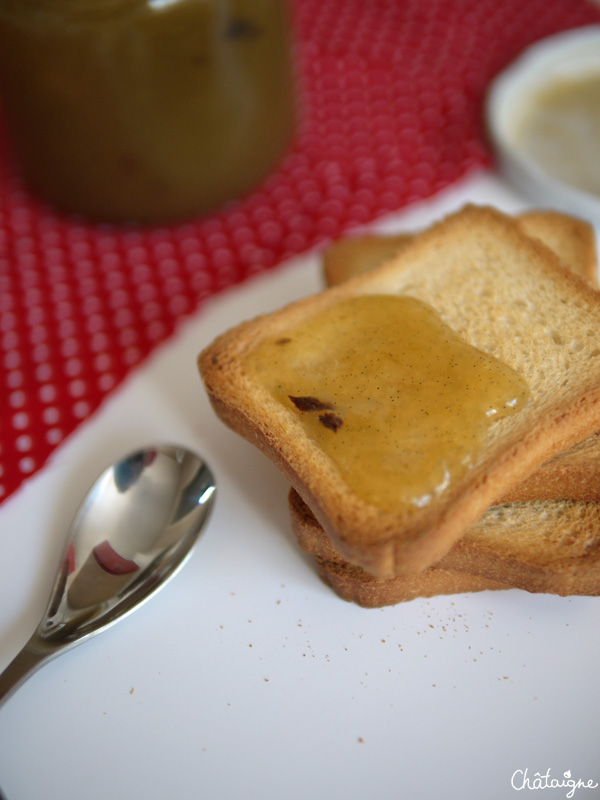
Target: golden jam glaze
x=391 y=393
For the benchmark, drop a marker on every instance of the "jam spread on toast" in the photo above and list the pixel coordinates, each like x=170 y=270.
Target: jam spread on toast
x=391 y=393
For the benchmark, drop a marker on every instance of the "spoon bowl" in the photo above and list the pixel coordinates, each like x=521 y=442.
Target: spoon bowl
x=133 y=532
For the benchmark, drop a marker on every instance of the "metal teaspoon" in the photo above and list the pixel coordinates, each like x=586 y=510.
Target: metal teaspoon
x=133 y=532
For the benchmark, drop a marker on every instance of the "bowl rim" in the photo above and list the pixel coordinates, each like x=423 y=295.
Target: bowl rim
x=571 y=53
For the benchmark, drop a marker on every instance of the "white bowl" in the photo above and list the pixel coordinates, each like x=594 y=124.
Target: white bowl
x=568 y=55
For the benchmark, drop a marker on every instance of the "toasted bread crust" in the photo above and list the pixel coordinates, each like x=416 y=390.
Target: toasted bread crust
x=356 y=586
x=550 y=546
x=573 y=240
x=570 y=475
x=539 y=546
x=512 y=298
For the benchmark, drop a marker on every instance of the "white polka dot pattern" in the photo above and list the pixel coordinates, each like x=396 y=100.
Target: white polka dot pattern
x=391 y=96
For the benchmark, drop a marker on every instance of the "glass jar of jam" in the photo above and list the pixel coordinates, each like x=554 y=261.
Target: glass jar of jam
x=145 y=110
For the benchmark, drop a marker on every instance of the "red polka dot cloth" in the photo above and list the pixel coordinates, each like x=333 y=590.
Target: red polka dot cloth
x=391 y=92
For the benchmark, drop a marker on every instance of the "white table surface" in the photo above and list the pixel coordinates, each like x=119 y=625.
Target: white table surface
x=246 y=677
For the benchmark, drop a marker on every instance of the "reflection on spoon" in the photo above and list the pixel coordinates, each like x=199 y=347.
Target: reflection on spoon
x=133 y=532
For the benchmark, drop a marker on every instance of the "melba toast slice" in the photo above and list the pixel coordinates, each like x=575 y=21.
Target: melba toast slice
x=357 y=586
x=573 y=240
x=573 y=474
x=489 y=297
x=550 y=546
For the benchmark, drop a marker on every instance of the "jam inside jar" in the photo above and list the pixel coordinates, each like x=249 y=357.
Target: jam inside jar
x=146 y=110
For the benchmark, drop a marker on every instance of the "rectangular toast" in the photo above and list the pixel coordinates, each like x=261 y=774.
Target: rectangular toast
x=572 y=239
x=549 y=546
x=506 y=296
x=539 y=546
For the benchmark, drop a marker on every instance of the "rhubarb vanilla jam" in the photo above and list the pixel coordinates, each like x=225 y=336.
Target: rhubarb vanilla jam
x=392 y=394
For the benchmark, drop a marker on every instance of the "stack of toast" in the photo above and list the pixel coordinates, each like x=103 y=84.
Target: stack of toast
x=524 y=512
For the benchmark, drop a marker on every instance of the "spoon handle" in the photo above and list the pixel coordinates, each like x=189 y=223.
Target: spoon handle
x=23 y=665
